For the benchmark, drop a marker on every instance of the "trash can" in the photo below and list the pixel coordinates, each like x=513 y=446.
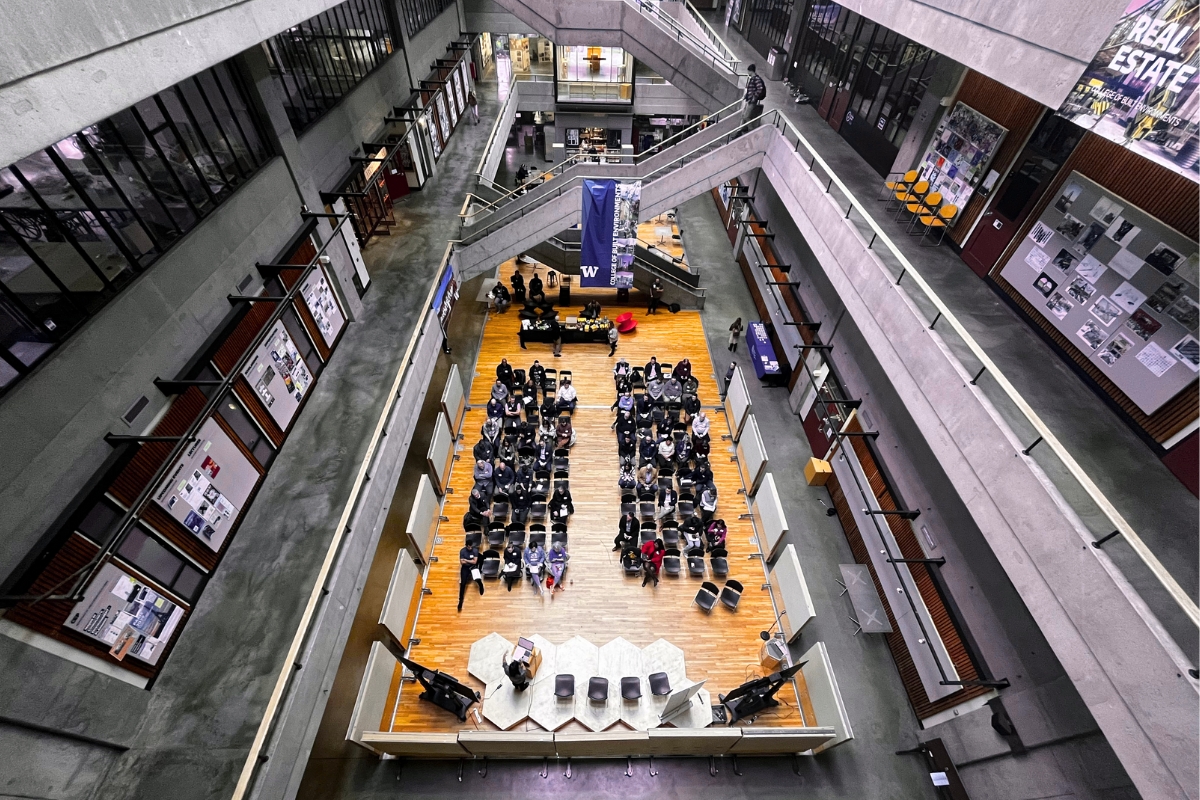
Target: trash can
x=564 y=291
x=776 y=61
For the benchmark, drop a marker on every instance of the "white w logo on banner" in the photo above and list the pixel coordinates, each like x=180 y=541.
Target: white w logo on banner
x=589 y=272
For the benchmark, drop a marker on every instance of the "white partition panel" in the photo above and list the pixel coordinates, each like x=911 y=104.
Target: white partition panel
x=825 y=696
x=372 y=693
x=787 y=581
x=768 y=514
x=769 y=741
x=454 y=401
x=752 y=455
x=441 y=454
x=399 y=598
x=737 y=403
x=423 y=519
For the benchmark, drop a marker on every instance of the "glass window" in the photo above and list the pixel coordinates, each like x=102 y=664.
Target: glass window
x=98 y=523
x=320 y=60
x=230 y=410
x=419 y=13
x=187 y=585
x=144 y=552
x=594 y=74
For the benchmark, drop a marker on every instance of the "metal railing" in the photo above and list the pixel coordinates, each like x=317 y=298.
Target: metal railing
x=900 y=268
x=319 y=594
x=509 y=101
x=716 y=53
x=717 y=42
x=646 y=264
x=470 y=209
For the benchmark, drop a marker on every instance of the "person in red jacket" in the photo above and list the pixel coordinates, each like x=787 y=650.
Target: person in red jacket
x=652 y=558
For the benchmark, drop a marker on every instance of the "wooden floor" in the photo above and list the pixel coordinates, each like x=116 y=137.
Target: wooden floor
x=598 y=602
x=648 y=233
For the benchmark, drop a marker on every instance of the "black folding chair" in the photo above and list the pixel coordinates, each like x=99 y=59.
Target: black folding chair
x=731 y=594
x=489 y=565
x=706 y=598
x=671 y=561
x=719 y=559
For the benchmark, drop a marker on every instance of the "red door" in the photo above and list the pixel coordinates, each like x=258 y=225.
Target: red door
x=1014 y=200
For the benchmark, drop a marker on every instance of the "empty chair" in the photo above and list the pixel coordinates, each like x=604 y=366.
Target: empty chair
x=666 y=368
x=550 y=382
x=565 y=375
x=687 y=506
x=562 y=465
x=564 y=686
x=558 y=536
x=647 y=534
x=499 y=507
x=670 y=535
x=695 y=560
x=901 y=183
x=628 y=504
x=598 y=690
x=731 y=594
x=671 y=561
x=541 y=482
x=636 y=379
x=518 y=377
x=660 y=684
x=474 y=539
x=939 y=221
x=517 y=537
x=631 y=688
x=537 y=538
x=706 y=598
x=646 y=507
x=472 y=527
x=537 y=509
x=489 y=565
x=719 y=558
x=495 y=537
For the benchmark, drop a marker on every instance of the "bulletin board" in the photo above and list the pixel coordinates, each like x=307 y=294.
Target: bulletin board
x=959 y=154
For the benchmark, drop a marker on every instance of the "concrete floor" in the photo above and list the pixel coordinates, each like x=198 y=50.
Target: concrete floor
x=1158 y=507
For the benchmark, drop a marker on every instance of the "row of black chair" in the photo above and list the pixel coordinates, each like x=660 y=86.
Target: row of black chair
x=729 y=595
x=631 y=687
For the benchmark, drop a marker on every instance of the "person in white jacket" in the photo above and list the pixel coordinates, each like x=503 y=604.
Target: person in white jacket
x=700 y=425
x=566 y=399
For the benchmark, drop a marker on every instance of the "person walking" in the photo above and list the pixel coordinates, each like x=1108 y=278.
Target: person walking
x=612 y=339
x=468 y=571
x=752 y=100
x=735 y=330
x=656 y=293
x=473 y=104
x=728 y=378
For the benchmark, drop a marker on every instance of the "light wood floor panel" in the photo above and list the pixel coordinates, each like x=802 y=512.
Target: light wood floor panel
x=599 y=602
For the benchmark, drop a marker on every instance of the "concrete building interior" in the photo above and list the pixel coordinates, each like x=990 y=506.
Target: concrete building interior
x=655 y=398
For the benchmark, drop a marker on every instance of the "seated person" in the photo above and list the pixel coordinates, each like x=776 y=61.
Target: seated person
x=651 y=562
x=499 y=390
x=518 y=286
x=683 y=370
x=483 y=476
x=627 y=532
x=700 y=426
x=504 y=478
x=627 y=480
x=537 y=374
x=504 y=373
x=557 y=563
x=511 y=569
x=525 y=475
x=667 y=498
x=507 y=452
x=564 y=433
x=491 y=429
x=566 y=400
x=588 y=311
x=500 y=296
x=495 y=408
x=653 y=370
x=549 y=409
x=708 y=502
x=666 y=451
x=703 y=472
x=654 y=390
x=647 y=479
x=484 y=451
x=691 y=404
x=622 y=369
x=647 y=448
x=535 y=289
x=672 y=390
x=525 y=436
x=714 y=534
x=683 y=450
x=478 y=505
x=544 y=458
x=624 y=424
x=624 y=402
x=529 y=395
x=643 y=405
x=512 y=412
x=691 y=530
x=626 y=448
x=521 y=502
x=535 y=565
x=700 y=447
x=560 y=505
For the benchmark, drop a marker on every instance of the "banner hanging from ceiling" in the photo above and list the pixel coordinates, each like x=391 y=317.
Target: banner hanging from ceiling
x=609 y=235
x=1142 y=90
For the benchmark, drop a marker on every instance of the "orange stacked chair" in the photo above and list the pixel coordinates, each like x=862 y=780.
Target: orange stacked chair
x=941 y=220
x=890 y=187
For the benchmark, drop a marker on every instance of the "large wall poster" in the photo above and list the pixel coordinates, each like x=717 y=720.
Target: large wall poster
x=959 y=154
x=323 y=306
x=609 y=236
x=278 y=375
x=1119 y=284
x=208 y=486
x=625 y=232
x=126 y=614
x=443 y=120
x=1140 y=90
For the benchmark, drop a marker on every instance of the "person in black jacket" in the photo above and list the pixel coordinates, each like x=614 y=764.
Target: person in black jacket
x=536 y=294
x=511 y=572
x=561 y=506
x=468 y=559
x=518 y=284
x=653 y=369
x=504 y=374
x=627 y=532
x=537 y=374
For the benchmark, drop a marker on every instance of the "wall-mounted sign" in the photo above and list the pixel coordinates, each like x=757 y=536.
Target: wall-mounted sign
x=1119 y=284
x=209 y=485
x=445 y=298
x=1140 y=89
x=126 y=614
x=278 y=375
x=958 y=155
x=322 y=305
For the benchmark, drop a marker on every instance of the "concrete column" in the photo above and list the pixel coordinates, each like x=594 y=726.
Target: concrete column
x=941 y=90
x=266 y=97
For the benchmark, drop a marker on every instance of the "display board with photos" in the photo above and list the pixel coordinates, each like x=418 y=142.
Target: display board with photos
x=434 y=141
x=443 y=120
x=958 y=156
x=1119 y=284
x=123 y=612
x=208 y=486
x=459 y=97
x=464 y=80
x=323 y=306
x=278 y=375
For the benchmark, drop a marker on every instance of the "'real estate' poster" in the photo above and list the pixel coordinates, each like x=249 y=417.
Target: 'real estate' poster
x=959 y=154
x=123 y=612
x=1140 y=90
x=1119 y=285
x=209 y=485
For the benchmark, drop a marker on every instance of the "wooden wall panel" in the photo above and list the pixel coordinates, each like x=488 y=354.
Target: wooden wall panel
x=1159 y=192
x=242 y=336
x=150 y=456
x=1013 y=110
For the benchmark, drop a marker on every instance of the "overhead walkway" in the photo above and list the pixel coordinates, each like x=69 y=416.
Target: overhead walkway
x=1113 y=627
x=684 y=51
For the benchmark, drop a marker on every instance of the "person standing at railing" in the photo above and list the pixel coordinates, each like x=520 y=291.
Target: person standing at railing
x=756 y=92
